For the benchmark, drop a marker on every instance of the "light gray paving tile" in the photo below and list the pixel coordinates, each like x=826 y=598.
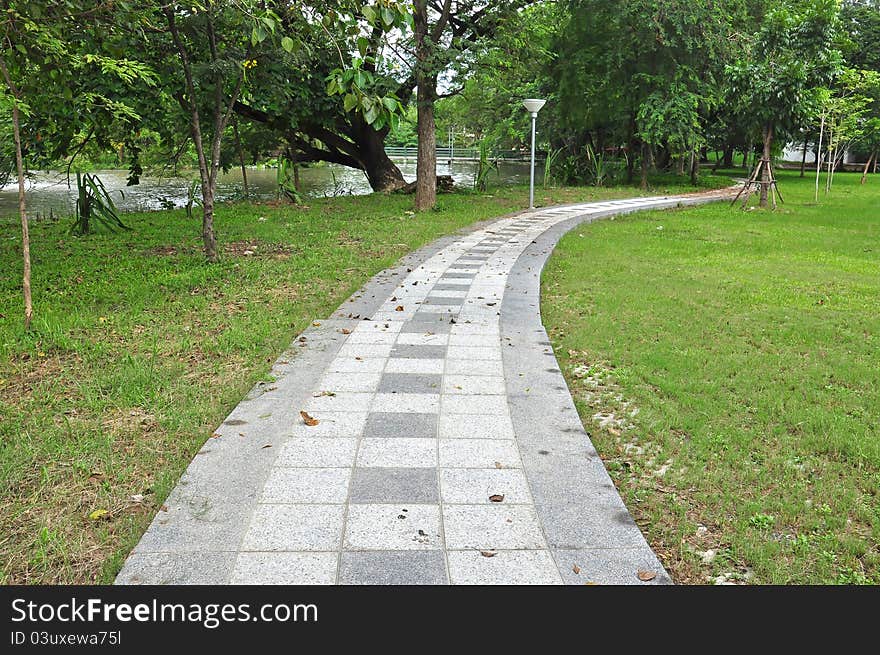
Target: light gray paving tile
x=394 y=485
x=491 y=527
x=398 y=425
x=474 y=404
x=372 y=327
x=426 y=338
x=356 y=382
x=365 y=350
x=317 y=452
x=476 y=486
x=371 y=338
x=410 y=383
x=285 y=569
x=415 y=403
x=306 y=485
x=478 y=453
x=352 y=365
x=472 y=353
x=473 y=384
x=393 y=527
x=506 y=567
x=343 y=401
x=393 y=567
x=397 y=453
x=475 y=426
x=414 y=365
x=475 y=340
x=474 y=367
x=294 y=528
x=331 y=424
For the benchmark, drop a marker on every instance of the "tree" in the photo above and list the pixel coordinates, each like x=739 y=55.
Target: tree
x=775 y=81
x=57 y=84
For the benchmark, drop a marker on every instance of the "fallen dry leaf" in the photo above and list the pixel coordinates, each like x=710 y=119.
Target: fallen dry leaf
x=399 y=308
x=268 y=445
x=498 y=465
x=324 y=393
x=317 y=323
x=487 y=553
x=576 y=569
x=309 y=420
x=646 y=576
x=345 y=331
x=164 y=508
x=496 y=498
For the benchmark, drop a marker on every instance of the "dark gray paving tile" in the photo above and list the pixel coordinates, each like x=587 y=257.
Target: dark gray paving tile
x=409 y=383
x=457 y=276
x=418 y=352
x=442 y=300
x=394 y=485
x=449 y=287
x=400 y=424
x=473 y=258
x=434 y=323
x=393 y=567
x=467 y=265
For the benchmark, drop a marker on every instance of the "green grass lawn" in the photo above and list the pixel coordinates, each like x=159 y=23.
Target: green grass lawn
x=735 y=358
x=139 y=349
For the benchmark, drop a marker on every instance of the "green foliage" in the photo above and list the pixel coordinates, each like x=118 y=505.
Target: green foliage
x=485 y=166
x=93 y=203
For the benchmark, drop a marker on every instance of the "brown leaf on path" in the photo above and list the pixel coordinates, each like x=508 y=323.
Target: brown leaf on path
x=309 y=420
x=646 y=576
x=164 y=508
x=498 y=465
x=487 y=553
x=399 y=308
x=268 y=445
x=323 y=393
x=576 y=569
x=496 y=498
x=345 y=331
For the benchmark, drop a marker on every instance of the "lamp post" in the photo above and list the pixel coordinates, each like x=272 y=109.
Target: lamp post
x=533 y=106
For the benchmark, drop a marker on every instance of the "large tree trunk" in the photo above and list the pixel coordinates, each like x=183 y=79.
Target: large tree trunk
x=765 y=169
x=426 y=162
x=22 y=207
x=646 y=154
x=382 y=173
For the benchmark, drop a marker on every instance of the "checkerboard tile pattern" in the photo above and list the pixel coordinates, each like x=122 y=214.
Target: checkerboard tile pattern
x=413 y=470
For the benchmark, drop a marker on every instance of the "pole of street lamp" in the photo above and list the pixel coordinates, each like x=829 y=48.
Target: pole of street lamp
x=533 y=106
x=532 y=172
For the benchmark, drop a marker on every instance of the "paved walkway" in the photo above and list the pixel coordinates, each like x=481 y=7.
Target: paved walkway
x=447 y=448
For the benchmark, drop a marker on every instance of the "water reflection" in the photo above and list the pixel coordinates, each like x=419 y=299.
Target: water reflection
x=48 y=193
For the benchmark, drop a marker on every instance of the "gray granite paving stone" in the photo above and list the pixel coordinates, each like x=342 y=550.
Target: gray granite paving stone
x=393 y=567
x=384 y=425
x=397 y=526
x=394 y=485
x=410 y=383
x=418 y=352
x=423 y=414
x=285 y=568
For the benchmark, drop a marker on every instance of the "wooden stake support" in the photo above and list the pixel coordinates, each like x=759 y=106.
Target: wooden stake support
x=755 y=182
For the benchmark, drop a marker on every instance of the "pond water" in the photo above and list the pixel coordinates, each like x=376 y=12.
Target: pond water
x=48 y=193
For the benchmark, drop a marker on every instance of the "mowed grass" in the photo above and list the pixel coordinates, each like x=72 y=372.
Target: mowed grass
x=735 y=359
x=139 y=349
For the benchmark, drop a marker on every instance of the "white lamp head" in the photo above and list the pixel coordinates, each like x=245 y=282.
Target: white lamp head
x=533 y=105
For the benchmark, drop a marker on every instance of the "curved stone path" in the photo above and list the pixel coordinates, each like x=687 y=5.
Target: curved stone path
x=447 y=448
